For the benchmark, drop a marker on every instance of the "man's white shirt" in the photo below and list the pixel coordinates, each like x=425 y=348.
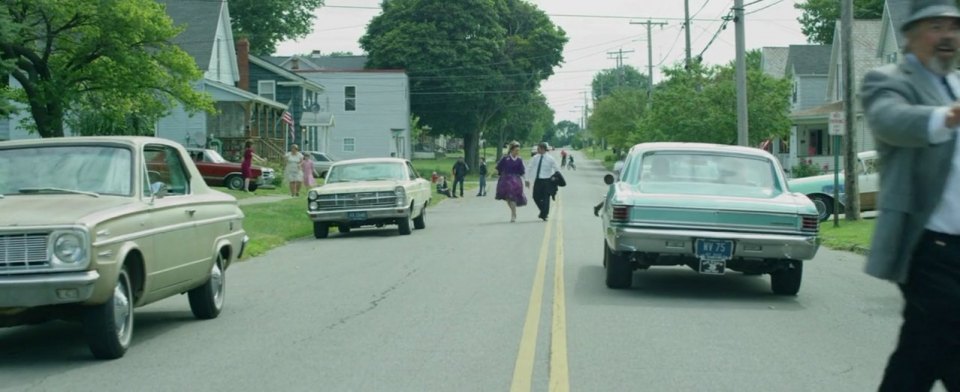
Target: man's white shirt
x=549 y=167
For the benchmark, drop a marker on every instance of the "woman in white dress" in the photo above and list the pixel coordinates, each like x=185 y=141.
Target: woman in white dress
x=293 y=172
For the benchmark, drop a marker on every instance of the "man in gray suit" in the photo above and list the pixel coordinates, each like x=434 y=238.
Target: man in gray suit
x=913 y=110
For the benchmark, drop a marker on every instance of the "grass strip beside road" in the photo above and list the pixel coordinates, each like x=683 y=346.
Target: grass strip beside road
x=270 y=225
x=850 y=236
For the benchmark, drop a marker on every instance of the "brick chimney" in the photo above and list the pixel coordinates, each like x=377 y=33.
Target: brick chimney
x=243 y=63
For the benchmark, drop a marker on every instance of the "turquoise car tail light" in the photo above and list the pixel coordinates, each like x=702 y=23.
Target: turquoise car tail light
x=810 y=224
x=620 y=213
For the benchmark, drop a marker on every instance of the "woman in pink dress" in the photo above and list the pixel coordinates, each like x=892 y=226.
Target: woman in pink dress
x=307 y=166
x=245 y=166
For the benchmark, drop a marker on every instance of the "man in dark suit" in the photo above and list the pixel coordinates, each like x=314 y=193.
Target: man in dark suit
x=913 y=111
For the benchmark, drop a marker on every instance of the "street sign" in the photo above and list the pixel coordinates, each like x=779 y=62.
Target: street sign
x=837 y=122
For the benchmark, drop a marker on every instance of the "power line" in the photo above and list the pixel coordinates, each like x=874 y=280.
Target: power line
x=765 y=7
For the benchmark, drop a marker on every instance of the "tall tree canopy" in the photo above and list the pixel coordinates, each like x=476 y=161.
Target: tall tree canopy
x=265 y=23
x=470 y=62
x=607 y=81
x=618 y=117
x=111 y=56
x=699 y=105
x=819 y=17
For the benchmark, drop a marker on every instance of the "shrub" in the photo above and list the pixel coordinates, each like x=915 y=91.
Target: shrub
x=806 y=168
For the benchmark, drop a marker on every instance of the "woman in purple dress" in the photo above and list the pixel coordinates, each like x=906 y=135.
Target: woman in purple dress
x=245 y=166
x=510 y=183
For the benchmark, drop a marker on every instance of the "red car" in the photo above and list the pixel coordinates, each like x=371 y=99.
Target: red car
x=218 y=171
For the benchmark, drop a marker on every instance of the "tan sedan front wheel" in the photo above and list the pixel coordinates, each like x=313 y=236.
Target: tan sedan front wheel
x=206 y=301
x=108 y=327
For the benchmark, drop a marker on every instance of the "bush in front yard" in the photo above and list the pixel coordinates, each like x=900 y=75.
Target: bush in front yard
x=806 y=168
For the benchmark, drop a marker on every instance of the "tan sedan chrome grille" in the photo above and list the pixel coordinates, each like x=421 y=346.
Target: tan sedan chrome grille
x=24 y=252
x=348 y=201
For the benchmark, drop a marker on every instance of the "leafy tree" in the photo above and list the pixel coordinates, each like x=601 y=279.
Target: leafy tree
x=618 y=117
x=267 y=22
x=607 y=81
x=527 y=121
x=108 y=57
x=819 y=18
x=470 y=62
x=710 y=93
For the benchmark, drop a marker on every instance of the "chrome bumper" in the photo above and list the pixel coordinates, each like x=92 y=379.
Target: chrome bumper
x=340 y=216
x=46 y=289
x=682 y=242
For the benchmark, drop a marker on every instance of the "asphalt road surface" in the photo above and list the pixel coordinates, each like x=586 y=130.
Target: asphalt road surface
x=475 y=303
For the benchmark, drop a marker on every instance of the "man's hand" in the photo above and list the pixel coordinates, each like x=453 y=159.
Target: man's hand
x=953 y=116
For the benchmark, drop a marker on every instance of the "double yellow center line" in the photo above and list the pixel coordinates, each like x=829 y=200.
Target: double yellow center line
x=523 y=370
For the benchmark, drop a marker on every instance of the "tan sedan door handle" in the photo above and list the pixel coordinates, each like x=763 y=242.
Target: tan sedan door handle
x=191 y=211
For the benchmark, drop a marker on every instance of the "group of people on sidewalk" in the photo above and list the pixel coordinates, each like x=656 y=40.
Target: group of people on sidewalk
x=297 y=172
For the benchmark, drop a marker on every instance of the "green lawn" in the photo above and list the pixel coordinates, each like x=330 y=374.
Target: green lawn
x=850 y=236
x=596 y=153
x=270 y=225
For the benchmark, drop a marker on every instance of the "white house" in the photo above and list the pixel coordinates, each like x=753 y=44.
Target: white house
x=371 y=106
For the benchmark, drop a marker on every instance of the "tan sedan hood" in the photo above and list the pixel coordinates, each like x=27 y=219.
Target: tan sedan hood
x=46 y=210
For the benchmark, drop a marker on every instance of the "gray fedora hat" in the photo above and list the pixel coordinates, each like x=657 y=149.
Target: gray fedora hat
x=926 y=9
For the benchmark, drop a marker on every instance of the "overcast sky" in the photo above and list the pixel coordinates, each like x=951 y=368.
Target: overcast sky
x=595 y=27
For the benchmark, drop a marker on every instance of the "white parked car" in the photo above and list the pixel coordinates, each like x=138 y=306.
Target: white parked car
x=370 y=191
x=321 y=162
x=820 y=188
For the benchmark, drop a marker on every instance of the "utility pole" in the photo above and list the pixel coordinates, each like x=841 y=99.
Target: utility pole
x=618 y=55
x=851 y=186
x=742 y=126
x=650 y=24
x=686 y=29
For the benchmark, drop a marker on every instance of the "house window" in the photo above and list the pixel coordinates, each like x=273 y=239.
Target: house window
x=350 y=98
x=267 y=89
x=892 y=57
x=795 y=83
x=349 y=144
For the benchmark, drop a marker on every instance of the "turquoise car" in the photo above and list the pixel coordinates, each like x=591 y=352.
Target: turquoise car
x=820 y=188
x=710 y=207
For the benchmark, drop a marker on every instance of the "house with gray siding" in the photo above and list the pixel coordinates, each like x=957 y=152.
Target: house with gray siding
x=895 y=12
x=305 y=100
x=240 y=115
x=807 y=68
x=371 y=106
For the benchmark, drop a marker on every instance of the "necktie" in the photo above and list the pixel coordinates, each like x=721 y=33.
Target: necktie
x=946 y=85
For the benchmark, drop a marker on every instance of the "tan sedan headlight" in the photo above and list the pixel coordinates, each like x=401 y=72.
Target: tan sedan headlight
x=312 y=195
x=401 y=196
x=69 y=248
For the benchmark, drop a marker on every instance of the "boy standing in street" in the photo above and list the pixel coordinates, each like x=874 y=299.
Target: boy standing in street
x=483 y=177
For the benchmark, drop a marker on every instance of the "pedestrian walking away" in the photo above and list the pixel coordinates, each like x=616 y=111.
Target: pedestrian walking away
x=482 y=171
x=510 y=171
x=563 y=158
x=912 y=108
x=542 y=166
x=459 y=171
x=246 y=165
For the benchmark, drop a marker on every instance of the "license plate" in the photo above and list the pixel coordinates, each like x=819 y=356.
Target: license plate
x=710 y=249
x=713 y=267
x=356 y=215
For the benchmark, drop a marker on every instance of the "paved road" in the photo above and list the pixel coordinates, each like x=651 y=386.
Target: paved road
x=475 y=303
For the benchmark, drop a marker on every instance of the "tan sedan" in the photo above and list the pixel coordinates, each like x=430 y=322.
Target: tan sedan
x=92 y=227
x=371 y=191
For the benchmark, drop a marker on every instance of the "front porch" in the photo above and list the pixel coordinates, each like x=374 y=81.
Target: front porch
x=243 y=116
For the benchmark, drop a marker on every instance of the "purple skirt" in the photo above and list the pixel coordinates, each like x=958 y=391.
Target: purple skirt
x=510 y=188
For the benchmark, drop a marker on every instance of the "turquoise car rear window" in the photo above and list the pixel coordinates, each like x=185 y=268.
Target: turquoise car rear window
x=703 y=173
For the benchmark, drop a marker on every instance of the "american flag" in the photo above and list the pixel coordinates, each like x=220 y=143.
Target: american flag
x=287 y=118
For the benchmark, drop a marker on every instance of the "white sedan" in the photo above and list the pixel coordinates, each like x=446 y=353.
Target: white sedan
x=371 y=191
